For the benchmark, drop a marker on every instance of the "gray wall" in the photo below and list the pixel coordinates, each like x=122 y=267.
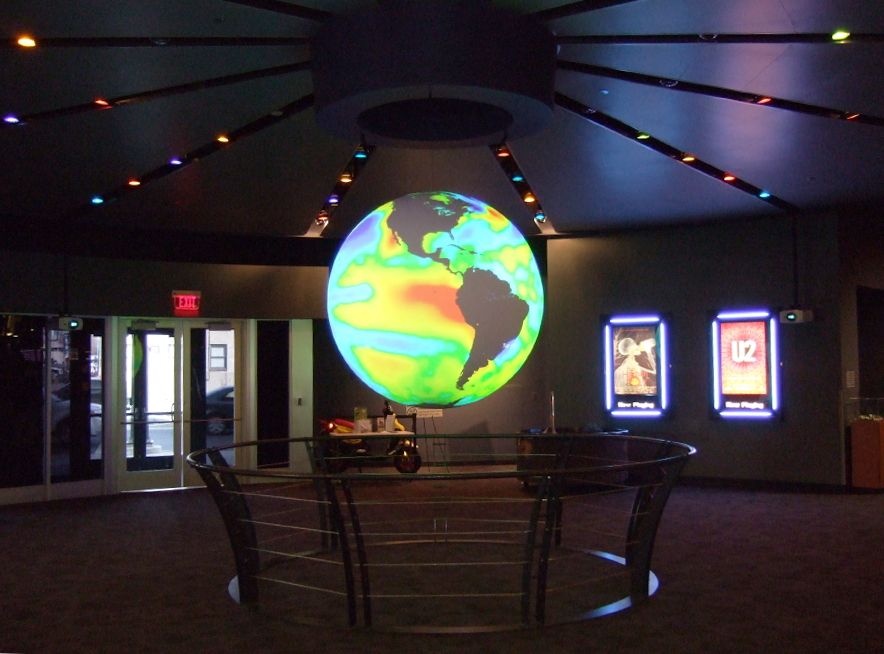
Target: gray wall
x=34 y=283
x=689 y=273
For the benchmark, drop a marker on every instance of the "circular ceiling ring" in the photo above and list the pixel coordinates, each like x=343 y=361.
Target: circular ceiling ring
x=433 y=73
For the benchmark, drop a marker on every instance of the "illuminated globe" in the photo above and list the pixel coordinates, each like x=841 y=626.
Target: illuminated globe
x=435 y=299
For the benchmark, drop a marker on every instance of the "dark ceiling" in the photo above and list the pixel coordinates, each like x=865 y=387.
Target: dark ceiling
x=692 y=74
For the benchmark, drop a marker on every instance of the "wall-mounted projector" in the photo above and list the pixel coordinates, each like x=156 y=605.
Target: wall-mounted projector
x=796 y=315
x=66 y=324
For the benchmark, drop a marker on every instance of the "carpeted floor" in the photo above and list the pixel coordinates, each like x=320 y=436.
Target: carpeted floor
x=740 y=571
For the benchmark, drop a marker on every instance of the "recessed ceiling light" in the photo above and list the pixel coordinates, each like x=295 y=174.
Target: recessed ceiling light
x=101 y=102
x=11 y=120
x=529 y=197
x=688 y=158
x=518 y=178
x=502 y=152
x=642 y=136
x=175 y=161
x=134 y=182
x=346 y=178
x=223 y=138
x=97 y=199
x=764 y=195
x=27 y=41
x=728 y=177
x=851 y=116
x=764 y=100
x=840 y=35
x=334 y=200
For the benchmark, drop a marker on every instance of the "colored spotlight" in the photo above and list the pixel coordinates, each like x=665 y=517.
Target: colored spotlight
x=502 y=152
x=529 y=198
x=840 y=35
x=764 y=100
x=764 y=195
x=322 y=217
x=334 y=200
x=851 y=116
x=688 y=158
x=642 y=136
x=27 y=41
x=346 y=178
x=175 y=161
x=223 y=138
x=134 y=182
x=518 y=178
x=360 y=153
x=97 y=199
x=101 y=102
x=540 y=216
x=11 y=120
x=728 y=177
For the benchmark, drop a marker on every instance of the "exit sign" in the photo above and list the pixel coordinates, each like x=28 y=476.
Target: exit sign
x=186 y=304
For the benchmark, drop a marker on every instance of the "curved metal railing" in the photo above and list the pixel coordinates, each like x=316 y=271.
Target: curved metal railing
x=506 y=531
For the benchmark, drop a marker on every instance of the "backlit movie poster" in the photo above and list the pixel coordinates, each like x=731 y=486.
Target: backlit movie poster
x=744 y=358
x=635 y=360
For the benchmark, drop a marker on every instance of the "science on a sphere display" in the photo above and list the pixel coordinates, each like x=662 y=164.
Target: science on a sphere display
x=435 y=299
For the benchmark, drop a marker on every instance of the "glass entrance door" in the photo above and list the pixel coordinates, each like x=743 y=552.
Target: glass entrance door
x=180 y=395
x=152 y=424
x=210 y=399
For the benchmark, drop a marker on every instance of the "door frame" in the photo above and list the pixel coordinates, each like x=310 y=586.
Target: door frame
x=179 y=475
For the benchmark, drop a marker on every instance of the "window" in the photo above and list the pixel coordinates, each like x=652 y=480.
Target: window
x=218 y=356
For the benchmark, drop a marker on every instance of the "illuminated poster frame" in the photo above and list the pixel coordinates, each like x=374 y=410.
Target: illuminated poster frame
x=649 y=363
x=745 y=379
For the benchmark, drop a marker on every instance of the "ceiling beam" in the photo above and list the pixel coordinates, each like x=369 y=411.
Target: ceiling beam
x=720 y=92
x=575 y=8
x=102 y=104
x=664 y=39
x=680 y=156
x=346 y=180
x=203 y=151
x=286 y=8
x=125 y=240
x=158 y=41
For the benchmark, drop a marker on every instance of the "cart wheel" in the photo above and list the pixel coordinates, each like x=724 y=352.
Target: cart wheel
x=407 y=460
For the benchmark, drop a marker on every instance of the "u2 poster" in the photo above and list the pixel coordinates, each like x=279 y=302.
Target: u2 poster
x=745 y=364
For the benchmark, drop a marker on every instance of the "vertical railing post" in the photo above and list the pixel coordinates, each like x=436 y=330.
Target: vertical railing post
x=657 y=481
x=231 y=503
x=337 y=519
x=552 y=527
x=360 y=552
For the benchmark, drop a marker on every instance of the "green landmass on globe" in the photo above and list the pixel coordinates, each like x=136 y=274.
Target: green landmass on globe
x=435 y=299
